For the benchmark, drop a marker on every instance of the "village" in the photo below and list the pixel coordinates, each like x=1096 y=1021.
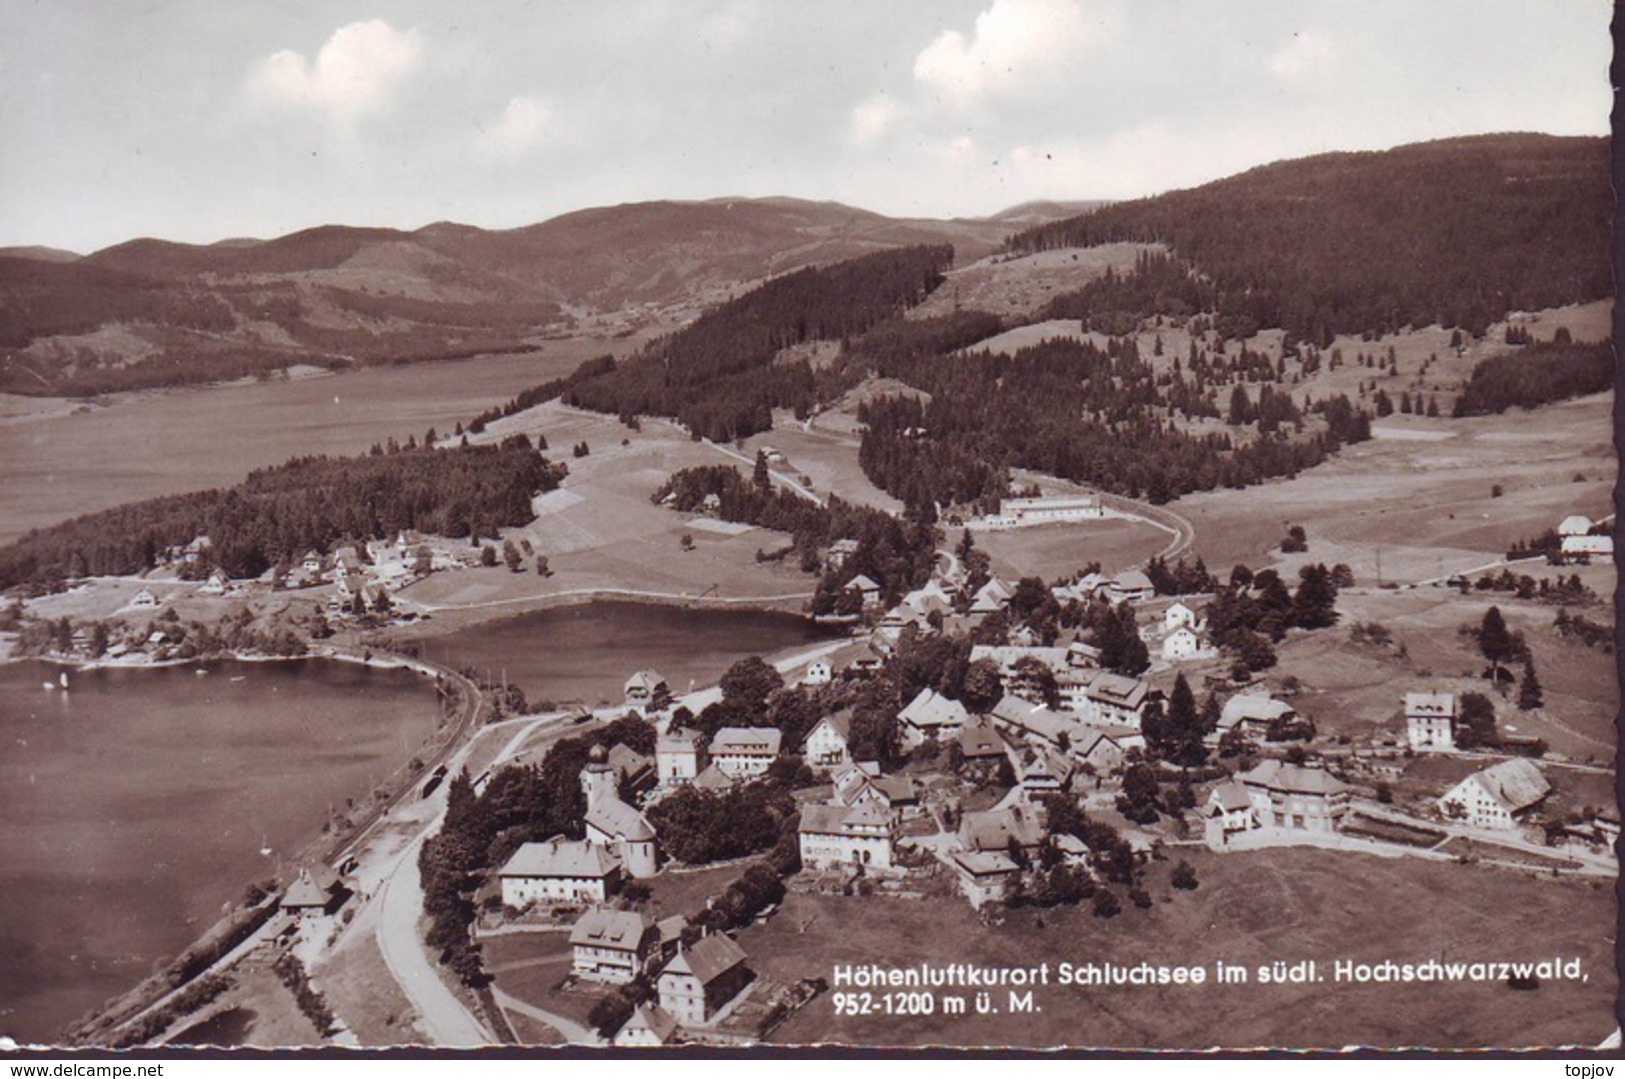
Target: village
x=1040 y=774
x=1046 y=780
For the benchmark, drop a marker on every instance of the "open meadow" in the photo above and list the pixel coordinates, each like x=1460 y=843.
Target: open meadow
x=1358 y=689
x=601 y=531
x=1058 y=550
x=1426 y=504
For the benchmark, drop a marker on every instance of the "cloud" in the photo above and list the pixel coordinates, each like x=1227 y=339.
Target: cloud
x=1308 y=55
x=1017 y=46
x=727 y=26
x=357 y=71
x=873 y=119
x=522 y=124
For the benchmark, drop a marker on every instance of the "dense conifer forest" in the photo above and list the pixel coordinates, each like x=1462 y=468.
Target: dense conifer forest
x=1071 y=409
x=310 y=502
x=1536 y=375
x=717 y=376
x=1456 y=232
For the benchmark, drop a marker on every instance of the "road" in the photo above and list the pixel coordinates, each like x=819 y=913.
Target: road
x=441 y=1016
x=779 y=477
x=1589 y=864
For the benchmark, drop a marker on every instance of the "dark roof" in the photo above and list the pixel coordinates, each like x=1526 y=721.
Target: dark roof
x=618 y=820
x=610 y=929
x=708 y=958
x=1293 y=778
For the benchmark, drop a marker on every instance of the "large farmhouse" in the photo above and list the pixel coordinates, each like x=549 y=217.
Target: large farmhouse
x=1296 y=796
x=1497 y=797
x=859 y=835
x=559 y=870
x=745 y=752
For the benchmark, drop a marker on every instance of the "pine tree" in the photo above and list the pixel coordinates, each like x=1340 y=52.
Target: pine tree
x=1529 y=691
x=1495 y=642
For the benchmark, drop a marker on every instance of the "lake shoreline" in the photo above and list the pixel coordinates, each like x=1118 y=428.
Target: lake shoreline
x=612 y=608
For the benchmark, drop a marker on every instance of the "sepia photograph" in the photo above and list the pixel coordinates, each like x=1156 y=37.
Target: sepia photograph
x=560 y=529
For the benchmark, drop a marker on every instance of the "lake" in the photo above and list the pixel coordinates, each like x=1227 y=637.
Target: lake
x=192 y=439
x=586 y=652
x=135 y=805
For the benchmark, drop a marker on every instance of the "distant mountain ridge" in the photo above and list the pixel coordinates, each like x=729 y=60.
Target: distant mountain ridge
x=157 y=312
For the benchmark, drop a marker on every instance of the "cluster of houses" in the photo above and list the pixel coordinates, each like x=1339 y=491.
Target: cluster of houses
x=1178 y=636
x=695 y=984
x=389 y=565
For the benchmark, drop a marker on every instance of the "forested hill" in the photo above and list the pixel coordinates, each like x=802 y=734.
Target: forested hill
x=155 y=313
x=310 y=502
x=1456 y=232
x=717 y=375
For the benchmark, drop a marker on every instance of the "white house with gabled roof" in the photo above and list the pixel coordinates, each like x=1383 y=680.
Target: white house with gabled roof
x=930 y=715
x=826 y=745
x=745 y=752
x=1497 y=797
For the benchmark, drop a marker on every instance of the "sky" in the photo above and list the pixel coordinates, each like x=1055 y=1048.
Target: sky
x=202 y=121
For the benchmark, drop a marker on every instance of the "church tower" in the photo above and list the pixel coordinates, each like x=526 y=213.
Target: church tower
x=598 y=779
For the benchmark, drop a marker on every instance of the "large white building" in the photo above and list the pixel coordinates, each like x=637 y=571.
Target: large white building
x=559 y=870
x=1430 y=721
x=1498 y=796
x=832 y=835
x=1050 y=508
x=745 y=752
x=678 y=757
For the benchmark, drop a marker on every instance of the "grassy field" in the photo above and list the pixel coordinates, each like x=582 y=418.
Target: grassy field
x=1249 y=910
x=1018 y=287
x=531 y=966
x=1358 y=690
x=276 y=1020
x=828 y=458
x=361 y=989
x=601 y=531
x=533 y=1032
x=1427 y=505
x=1059 y=550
